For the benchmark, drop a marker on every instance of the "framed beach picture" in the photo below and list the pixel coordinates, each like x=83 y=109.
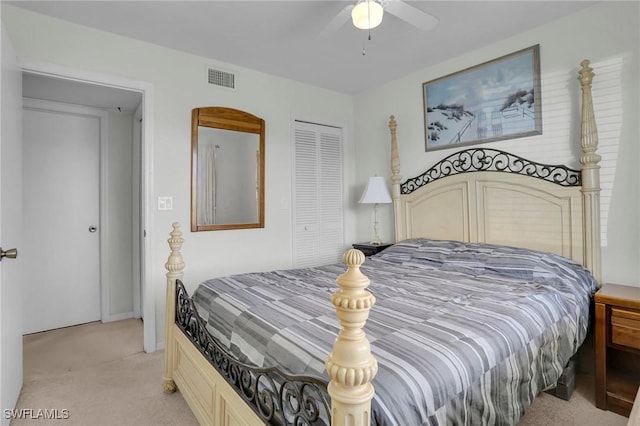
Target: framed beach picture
x=496 y=100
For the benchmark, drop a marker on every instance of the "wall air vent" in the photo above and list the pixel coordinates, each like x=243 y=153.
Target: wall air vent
x=221 y=78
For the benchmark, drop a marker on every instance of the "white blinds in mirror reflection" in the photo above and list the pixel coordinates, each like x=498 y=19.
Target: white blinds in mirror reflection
x=207 y=184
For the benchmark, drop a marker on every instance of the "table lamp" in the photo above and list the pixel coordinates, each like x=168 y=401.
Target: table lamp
x=375 y=193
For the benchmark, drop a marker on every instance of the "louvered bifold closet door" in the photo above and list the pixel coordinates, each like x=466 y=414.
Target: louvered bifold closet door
x=306 y=241
x=318 y=197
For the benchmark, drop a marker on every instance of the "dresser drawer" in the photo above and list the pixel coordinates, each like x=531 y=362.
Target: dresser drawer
x=625 y=327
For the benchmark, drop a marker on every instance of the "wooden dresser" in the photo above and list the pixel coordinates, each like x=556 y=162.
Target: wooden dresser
x=617 y=347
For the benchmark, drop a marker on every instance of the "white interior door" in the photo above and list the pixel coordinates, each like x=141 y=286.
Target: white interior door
x=61 y=219
x=10 y=228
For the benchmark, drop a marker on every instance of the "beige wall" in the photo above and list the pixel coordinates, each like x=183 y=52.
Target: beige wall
x=608 y=34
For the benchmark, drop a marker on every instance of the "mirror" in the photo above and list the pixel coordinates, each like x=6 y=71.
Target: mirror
x=227 y=169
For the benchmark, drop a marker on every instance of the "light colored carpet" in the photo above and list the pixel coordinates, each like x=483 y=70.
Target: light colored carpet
x=99 y=373
x=580 y=410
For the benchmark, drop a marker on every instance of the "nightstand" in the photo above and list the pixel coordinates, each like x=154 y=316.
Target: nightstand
x=370 y=249
x=617 y=347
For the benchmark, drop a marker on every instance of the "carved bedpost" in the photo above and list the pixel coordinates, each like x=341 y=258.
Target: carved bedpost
x=350 y=365
x=175 y=268
x=590 y=175
x=395 y=178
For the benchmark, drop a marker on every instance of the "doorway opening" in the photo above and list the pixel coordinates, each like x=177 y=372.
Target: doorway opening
x=125 y=110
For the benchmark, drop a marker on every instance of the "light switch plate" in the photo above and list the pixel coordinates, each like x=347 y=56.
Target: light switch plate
x=165 y=203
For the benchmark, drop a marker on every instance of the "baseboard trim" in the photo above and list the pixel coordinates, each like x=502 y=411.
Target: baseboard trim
x=119 y=317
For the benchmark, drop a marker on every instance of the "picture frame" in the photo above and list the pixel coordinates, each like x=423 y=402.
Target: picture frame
x=495 y=100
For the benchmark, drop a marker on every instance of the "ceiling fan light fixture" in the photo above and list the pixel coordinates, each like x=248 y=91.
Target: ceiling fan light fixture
x=367 y=14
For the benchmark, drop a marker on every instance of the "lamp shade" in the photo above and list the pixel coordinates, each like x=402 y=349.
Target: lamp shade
x=367 y=14
x=376 y=191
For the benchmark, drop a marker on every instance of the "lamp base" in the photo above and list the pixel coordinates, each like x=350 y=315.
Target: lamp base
x=375 y=241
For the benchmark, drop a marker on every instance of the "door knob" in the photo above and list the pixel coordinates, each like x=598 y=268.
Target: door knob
x=92 y=229
x=11 y=253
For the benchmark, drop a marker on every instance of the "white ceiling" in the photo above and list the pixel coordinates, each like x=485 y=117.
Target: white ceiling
x=284 y=37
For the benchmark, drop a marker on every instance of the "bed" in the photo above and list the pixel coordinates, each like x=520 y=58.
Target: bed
x=478 y=306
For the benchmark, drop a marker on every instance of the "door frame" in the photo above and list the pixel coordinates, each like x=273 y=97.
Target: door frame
x=146 y=89
x=138 y=225
x=11 y=356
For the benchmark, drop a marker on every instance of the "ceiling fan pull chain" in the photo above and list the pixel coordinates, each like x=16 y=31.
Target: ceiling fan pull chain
x=369 y=17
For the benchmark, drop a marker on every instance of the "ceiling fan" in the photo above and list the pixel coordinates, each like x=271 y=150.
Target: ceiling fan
x=367 y=14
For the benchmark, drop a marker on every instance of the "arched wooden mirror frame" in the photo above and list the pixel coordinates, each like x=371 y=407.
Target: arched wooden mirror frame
x=233 y=120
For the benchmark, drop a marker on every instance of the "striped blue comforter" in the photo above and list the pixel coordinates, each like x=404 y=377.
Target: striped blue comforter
x=463 y=333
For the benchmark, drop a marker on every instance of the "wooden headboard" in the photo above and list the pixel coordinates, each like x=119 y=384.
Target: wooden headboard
x=487 y=195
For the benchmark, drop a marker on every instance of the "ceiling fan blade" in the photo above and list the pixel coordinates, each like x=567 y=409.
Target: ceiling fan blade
x=410 y=14
x=337 y=22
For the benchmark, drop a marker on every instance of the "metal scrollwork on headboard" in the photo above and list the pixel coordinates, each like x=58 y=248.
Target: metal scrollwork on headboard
x=483 y=159
x=278 y=398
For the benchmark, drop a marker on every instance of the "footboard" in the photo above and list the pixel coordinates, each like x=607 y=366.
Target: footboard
x=219 y=388
x=276 y=397
x=210 y=397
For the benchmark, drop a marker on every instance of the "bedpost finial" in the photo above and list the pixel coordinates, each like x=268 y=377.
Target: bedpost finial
x=350 y=365
x=589 y=133
x=392 y=123
x=395 y=158
x=353 y=258
x=590 y=175
x=585 y=75
x=175 y=264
